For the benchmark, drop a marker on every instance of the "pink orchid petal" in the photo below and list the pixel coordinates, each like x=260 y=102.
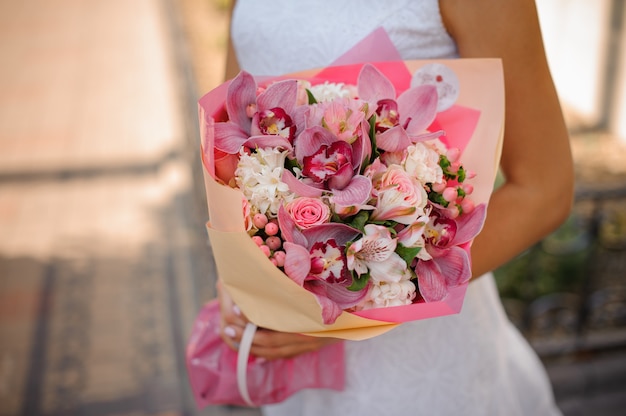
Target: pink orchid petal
x=454 y=266
x=241 y=93
x=341 y=178
x=430 y=282
x=282 y=94
x=339 y=232
x=300 y=188
x=357 y=192
x=420 y=105
x=268 y=141
x=469 y=225
x=229 y=137
x=297 y=262
x=289 y=230
x=361 y=148
x=395 y=139
x=373 y=85
x=311 y=139
x=330 y=310
x=427 y=136
x=344 y=297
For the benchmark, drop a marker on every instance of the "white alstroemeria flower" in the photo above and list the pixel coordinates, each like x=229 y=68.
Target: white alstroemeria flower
x=258 y=175
x=375 y=252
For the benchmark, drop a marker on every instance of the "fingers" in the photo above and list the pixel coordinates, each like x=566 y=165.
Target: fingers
x=273 y=345
x=232 y=321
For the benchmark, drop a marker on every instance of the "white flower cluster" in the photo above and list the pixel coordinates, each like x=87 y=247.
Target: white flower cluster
x=328 y=91
x=422 y=162
x=385 y=294
x=258 y=175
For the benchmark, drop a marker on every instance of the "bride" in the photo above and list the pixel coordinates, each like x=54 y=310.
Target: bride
x=476 y=362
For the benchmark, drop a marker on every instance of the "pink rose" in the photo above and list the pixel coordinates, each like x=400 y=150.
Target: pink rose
x=401 y=198
x=308 y=212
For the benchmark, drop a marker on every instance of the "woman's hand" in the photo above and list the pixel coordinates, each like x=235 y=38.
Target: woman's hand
x=266 y=344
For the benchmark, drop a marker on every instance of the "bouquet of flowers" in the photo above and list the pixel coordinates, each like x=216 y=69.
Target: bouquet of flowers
x=347 y=192
x=354 y=185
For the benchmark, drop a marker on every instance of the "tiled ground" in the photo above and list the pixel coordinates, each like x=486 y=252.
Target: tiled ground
x=103 y=258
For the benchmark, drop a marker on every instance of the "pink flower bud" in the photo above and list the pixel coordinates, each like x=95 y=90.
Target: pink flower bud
x=279 y=256
x=274 y=262
x=453 y=154
x=450 y=194
x=470 y=174
x=257 y=240
x=273 y=242
x=271 y=228
x=266 y=250
x=454 y=167
x=259 y=221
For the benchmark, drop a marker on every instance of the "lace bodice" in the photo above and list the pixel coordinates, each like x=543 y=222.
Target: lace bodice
x=322 y=30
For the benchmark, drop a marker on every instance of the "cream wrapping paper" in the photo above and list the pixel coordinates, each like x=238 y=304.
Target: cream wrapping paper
x=264 y=293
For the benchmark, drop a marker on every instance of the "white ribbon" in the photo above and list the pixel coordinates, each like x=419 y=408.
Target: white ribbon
x=242 y=362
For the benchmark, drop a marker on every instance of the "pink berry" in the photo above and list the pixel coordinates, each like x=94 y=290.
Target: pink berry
x=259 y=221
x=279 y=256
x=453 y=211
x=450 y=194
x=453 y=154
x=468 y=188
x=439 y=187
x=273 y=242
x=257 y=240
x=266 y=250
x=467 y=205
x=271 y=228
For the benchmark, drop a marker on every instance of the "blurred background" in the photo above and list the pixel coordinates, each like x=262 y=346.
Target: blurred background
x=104 y=259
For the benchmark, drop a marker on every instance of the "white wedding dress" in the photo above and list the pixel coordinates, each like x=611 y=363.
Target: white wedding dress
x=474 y=363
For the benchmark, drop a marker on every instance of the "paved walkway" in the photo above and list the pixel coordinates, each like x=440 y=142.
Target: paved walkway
x=103 y=256
x=98 y=220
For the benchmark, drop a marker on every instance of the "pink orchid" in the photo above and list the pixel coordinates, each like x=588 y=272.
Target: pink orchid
x=315 y=260
x=345 y=118
x=329 y=165
x=257 y=120
x=400 y=121
x=449 y=265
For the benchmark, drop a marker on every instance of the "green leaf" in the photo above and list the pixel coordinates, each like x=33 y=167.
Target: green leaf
x=359 y=220
x=407 y=253
x=372 y=134
x=359 y=282
x=312 y=99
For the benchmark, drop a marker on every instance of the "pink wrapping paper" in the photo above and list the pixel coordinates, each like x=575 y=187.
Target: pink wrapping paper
x=266 y=295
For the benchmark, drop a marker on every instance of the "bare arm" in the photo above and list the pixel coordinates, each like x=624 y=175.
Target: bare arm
x=536 y=159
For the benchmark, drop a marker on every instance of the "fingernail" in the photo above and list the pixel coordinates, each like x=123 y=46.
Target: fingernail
x=229 y=331
x=236 y=310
